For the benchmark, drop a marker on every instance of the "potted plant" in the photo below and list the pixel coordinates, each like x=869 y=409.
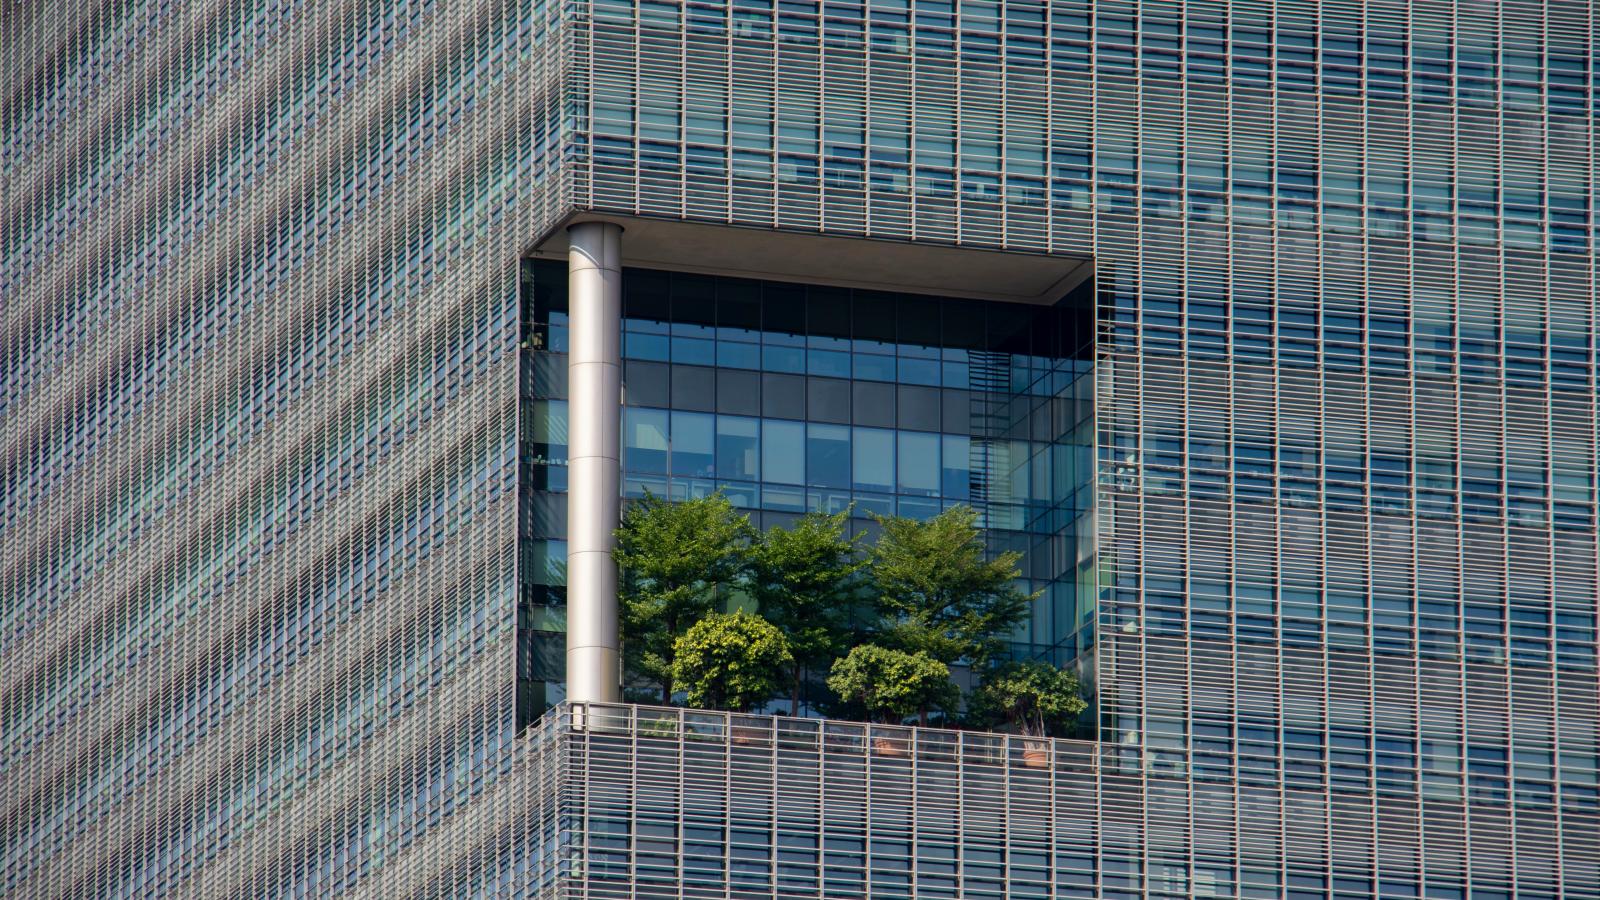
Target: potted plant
x=1034 y=697
x=891 y=685
x=731 y=661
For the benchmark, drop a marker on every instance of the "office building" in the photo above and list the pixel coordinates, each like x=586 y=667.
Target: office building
x=333 y=336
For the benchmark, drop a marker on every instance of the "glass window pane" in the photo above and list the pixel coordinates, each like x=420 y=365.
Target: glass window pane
x=738 y=448
x=917 y=321
x=646 y=383
x=873 y=452
x=872 y=404
x=783 y=307
x=547 y=562
x=828 y=455
x=694 y=350
x=1039 y=464
x=733 y=355
x=790 y=499
x=828 y=362
x=739 y=308
x=956 y=477
x=957 y=411
x=739 y=393
x=783 y=396
x=922 y=508
x=919 y=408
x=919 y=463
x=874 y=368
x=783 y=452
x=693 y=387
x=644 y=439
x=873 y=319
x=692 y=444
x=919 y=371
x=645 y=346
x=1019 y=480
x=827 y=400
x=549 y=424
x=645 y=298
x=828 y=312
x=777 y=358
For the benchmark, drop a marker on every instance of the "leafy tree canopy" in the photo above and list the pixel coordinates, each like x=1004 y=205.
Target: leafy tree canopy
x=1034 y=697
x=674 y=557
x=941 y=596
x=892 y=684
x=731 y=661
x=804 y=580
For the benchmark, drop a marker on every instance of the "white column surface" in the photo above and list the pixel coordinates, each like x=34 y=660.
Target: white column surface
x=594 y=454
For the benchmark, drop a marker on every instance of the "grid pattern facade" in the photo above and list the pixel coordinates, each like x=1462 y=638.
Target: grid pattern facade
x=1346 y=376
x=258 y=388
x=258 y=269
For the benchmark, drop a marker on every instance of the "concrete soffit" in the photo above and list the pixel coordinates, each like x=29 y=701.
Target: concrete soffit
x=840 y=261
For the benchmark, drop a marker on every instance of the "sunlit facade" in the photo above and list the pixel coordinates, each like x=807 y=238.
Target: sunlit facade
x=277 y=549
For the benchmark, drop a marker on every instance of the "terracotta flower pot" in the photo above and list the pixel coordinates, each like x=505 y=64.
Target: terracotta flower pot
x=1036 y=754
x=886 y=746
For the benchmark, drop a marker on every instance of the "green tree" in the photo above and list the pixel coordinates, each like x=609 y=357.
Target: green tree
x=803 y=580
x=731 y=661
x=1034 y=697
x=892 y=684
x=674 y=559
x=939 y=593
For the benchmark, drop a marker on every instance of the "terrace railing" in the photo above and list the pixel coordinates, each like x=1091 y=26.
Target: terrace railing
x=668 y=802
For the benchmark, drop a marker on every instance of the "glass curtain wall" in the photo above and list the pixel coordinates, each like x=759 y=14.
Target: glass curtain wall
x=791 y=397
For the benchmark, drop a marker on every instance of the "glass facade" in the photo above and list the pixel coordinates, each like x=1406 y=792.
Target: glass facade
x=788 y=398
x=264 y=557
x=1346 y=379
x=258 y=437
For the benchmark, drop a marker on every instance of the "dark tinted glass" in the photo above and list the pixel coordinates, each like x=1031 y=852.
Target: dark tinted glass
x=694 y=387
x=783 y=308
x=694 y=299
x=919 y=408
x=873 y=404
x=873 y=318
x=783 y=396
x=828 y=312
x=738 y=392
x=827 y=400
x=646 y=297
x=739 y=305
x=646 y=383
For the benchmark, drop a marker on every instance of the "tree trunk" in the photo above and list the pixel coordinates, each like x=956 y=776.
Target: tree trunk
x=667 y=657
x=794 y=697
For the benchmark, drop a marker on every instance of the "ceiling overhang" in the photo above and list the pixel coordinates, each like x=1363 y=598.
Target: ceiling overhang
x=853 y=262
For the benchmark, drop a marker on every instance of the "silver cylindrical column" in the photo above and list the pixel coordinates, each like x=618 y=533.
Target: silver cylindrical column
x=594 y=454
